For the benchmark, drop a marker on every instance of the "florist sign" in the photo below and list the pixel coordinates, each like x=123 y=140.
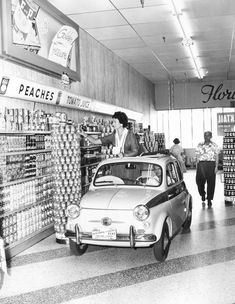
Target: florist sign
x=217 y=93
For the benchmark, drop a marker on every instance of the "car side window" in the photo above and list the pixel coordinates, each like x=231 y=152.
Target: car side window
x=171 y=175
x=179 y=171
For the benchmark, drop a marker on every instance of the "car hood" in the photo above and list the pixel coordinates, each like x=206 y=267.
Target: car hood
x=117 y=198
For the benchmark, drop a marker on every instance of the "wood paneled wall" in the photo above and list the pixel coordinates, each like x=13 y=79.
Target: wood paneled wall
x=104 y=77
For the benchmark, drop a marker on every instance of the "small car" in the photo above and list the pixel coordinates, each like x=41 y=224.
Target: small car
x=132 y=202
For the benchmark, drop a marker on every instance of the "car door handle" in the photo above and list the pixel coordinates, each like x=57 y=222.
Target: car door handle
x=170 y=195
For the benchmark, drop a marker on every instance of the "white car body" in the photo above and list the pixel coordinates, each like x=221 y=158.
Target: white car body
x=106 y=211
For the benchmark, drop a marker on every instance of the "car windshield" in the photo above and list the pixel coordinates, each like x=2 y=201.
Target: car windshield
x=129 y=173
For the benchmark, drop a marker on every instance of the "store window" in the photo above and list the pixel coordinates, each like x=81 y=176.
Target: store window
x=174 y=125
x=189 y=125
x=207 y=119
x=187 y=129
x=197 y=120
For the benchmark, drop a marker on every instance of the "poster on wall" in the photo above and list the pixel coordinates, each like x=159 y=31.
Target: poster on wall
x=61 y=46
x=31 y=29
x=24 y=25
x=225 y=123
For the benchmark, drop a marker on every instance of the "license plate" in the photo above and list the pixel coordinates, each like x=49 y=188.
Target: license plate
x=104 y=235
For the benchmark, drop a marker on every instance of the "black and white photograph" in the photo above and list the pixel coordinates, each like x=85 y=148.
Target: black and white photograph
x=117 y=151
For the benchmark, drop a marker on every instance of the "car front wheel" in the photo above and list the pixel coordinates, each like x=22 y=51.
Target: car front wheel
x=161 y=247
x=77 y=249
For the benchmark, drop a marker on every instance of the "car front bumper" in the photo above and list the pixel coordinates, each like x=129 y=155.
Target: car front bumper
x=122 y=240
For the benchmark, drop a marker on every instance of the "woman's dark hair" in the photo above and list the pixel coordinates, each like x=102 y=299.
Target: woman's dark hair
x=122 y=117
x=176 y=141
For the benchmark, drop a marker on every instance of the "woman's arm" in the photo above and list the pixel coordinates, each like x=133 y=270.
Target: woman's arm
x=95 y=141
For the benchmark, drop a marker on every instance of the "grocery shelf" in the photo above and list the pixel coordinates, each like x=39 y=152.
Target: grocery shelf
x=90 y=147
x=26 y=152
x=24 y=207
x=28 y=241
x=22 y=180
x=26 y=132
x=33 y=169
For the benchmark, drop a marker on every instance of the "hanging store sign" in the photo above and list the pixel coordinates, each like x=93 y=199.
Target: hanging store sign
x=225 y=123
x=22 y=89
x=196 y=95
x=74 y=101
x=219 y=92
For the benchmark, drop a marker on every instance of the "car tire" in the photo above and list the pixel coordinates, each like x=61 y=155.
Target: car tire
x=187 y=224
x=77 y=249
x=161 y=247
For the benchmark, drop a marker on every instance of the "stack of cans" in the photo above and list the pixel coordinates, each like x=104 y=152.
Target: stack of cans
x=229 y=167
x=67 y=173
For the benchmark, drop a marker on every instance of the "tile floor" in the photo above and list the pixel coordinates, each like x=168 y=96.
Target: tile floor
x=200 y=267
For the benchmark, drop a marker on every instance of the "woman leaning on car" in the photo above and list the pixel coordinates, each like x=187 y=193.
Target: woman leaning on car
x=123 y=140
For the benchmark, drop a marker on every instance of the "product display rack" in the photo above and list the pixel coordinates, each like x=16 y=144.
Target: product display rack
x=26 y=189
x=229 y=167
x=154 y=142
x=67 y=174
x=91 y=156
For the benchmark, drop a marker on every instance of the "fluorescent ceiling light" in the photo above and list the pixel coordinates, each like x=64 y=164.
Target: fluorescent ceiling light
x=186 y=39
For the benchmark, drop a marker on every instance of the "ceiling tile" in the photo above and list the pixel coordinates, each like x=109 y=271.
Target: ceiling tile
x=149 y=39
x=161 y=28
x=209 y=8
x=117 y=32
x=148 y=14
x=98 y=19
x=81 y=6
x=120 y=4
x=118 y=44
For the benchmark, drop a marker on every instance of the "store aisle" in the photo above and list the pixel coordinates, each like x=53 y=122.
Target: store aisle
x=200 y=267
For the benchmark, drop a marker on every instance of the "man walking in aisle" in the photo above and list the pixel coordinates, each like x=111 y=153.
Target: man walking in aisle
x=207 y=154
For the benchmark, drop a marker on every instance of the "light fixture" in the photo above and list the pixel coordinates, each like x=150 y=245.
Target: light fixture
x=187 y=40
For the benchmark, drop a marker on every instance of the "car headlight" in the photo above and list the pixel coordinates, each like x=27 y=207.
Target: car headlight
x=73 y=211
x=141 y=212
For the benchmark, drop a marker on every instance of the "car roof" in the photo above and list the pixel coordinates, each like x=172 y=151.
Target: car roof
x=157 y=158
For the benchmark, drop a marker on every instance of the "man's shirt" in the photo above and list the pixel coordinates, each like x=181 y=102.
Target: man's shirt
x=207 y=152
